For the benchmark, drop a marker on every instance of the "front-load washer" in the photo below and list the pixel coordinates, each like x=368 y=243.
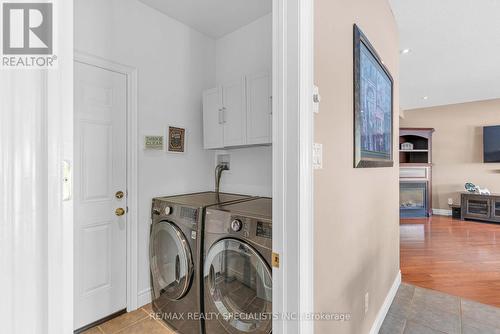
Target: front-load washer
x=237 y=274
x=175 y=248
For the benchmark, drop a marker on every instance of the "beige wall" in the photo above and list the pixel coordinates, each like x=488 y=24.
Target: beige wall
x=356 y=210
x=458 y=147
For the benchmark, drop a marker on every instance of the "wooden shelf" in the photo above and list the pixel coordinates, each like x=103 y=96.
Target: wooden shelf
x=416 y=151
x=415 y=164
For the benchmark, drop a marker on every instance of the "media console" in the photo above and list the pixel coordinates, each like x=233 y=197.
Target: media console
x=481 y=207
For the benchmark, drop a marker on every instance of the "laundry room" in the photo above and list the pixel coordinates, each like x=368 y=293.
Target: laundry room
x=173 y=166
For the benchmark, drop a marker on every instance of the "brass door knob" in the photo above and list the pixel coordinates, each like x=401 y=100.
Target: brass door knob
x=119 y=194
x=120 y=212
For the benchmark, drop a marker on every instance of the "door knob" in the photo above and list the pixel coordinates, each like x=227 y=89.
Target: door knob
x=120 y=212
x=119 y=194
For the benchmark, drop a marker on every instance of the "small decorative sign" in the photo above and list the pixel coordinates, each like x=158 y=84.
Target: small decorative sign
x=407 y=146
x=176 y=139
x=153 y=142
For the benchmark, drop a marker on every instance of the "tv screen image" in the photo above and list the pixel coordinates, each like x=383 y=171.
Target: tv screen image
x=491 y=142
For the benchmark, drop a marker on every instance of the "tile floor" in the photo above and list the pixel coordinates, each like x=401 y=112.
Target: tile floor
x=421 y=311
x=136 y=322
x=414 y=311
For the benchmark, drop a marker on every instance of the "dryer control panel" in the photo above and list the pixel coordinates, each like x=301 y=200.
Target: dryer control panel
x=180 y=213
x=264 y=230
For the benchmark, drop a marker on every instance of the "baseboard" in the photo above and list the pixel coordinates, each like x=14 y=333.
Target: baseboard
x=441 y=212
x=144 y=297
x=382 y=313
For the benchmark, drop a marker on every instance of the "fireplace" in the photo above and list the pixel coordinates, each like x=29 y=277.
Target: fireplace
x=413 y=199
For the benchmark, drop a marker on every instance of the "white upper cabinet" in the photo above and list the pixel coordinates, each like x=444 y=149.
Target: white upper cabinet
x=213 y=135
x=238 y=113
x=259 y=108
x=234 y=113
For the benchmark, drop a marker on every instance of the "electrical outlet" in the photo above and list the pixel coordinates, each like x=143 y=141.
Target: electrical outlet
x=367 y=301
x=450 y=201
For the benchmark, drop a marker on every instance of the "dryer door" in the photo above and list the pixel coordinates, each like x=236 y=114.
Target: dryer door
x=171 y=261
x=238 y=286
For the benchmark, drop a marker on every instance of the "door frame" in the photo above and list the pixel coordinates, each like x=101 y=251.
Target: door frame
x=132 y=169
x=292 y=170
x=293 y=133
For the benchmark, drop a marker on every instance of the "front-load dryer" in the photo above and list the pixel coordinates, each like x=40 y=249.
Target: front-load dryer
x=237 y=274
x=174 y=257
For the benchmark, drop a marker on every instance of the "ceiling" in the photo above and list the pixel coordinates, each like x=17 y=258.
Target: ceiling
x=454 y=51
x=214 y=18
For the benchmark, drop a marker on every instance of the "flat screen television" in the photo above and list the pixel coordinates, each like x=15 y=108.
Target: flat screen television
x=491 y=143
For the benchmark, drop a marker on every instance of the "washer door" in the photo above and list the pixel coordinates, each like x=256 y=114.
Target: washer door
x=238 y=286
x=171 y=261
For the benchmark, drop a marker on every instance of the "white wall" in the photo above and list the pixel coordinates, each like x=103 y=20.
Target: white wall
x=175 y=63
x=245 y=51
x=251 y=171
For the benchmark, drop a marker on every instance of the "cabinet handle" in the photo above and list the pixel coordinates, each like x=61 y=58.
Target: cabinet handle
x=224 y=115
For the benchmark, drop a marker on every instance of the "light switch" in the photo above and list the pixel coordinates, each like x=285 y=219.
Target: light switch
x=317 y=156
x=316 y=99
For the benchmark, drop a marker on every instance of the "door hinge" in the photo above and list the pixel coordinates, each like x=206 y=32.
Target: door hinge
x=275 y=260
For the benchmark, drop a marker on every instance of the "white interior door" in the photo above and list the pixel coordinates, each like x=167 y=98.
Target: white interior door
x=234 y=115
x=100 y=174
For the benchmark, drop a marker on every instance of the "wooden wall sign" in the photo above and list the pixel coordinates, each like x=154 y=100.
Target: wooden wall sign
x=176 y=139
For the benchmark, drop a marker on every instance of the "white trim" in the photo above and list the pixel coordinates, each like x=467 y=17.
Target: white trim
x=382 y=313
x=132 y=169
x=59 y=134
x=144 y=297
x=292 y=163
x=306 y=141
x=441 y=212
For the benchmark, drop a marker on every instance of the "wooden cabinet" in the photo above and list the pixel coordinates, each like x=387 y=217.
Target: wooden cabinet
x=238 y=113
x=481 y=207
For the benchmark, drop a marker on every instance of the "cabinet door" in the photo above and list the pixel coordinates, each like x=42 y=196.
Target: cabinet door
x=495 y=209
x=234 y=113
x=477 y=207
x=213 y=130
x=259 y=108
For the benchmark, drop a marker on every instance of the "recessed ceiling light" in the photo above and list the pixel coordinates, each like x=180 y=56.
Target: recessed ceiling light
x=425 y=98
x=405 y=51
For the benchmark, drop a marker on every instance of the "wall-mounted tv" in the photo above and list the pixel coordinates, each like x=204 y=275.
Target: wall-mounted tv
x=491 y=143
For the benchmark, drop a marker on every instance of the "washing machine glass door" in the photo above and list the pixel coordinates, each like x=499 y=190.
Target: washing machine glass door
x=171 y=261
x=238 y=285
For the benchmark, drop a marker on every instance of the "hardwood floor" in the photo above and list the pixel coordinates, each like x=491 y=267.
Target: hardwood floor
x=461 y=258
